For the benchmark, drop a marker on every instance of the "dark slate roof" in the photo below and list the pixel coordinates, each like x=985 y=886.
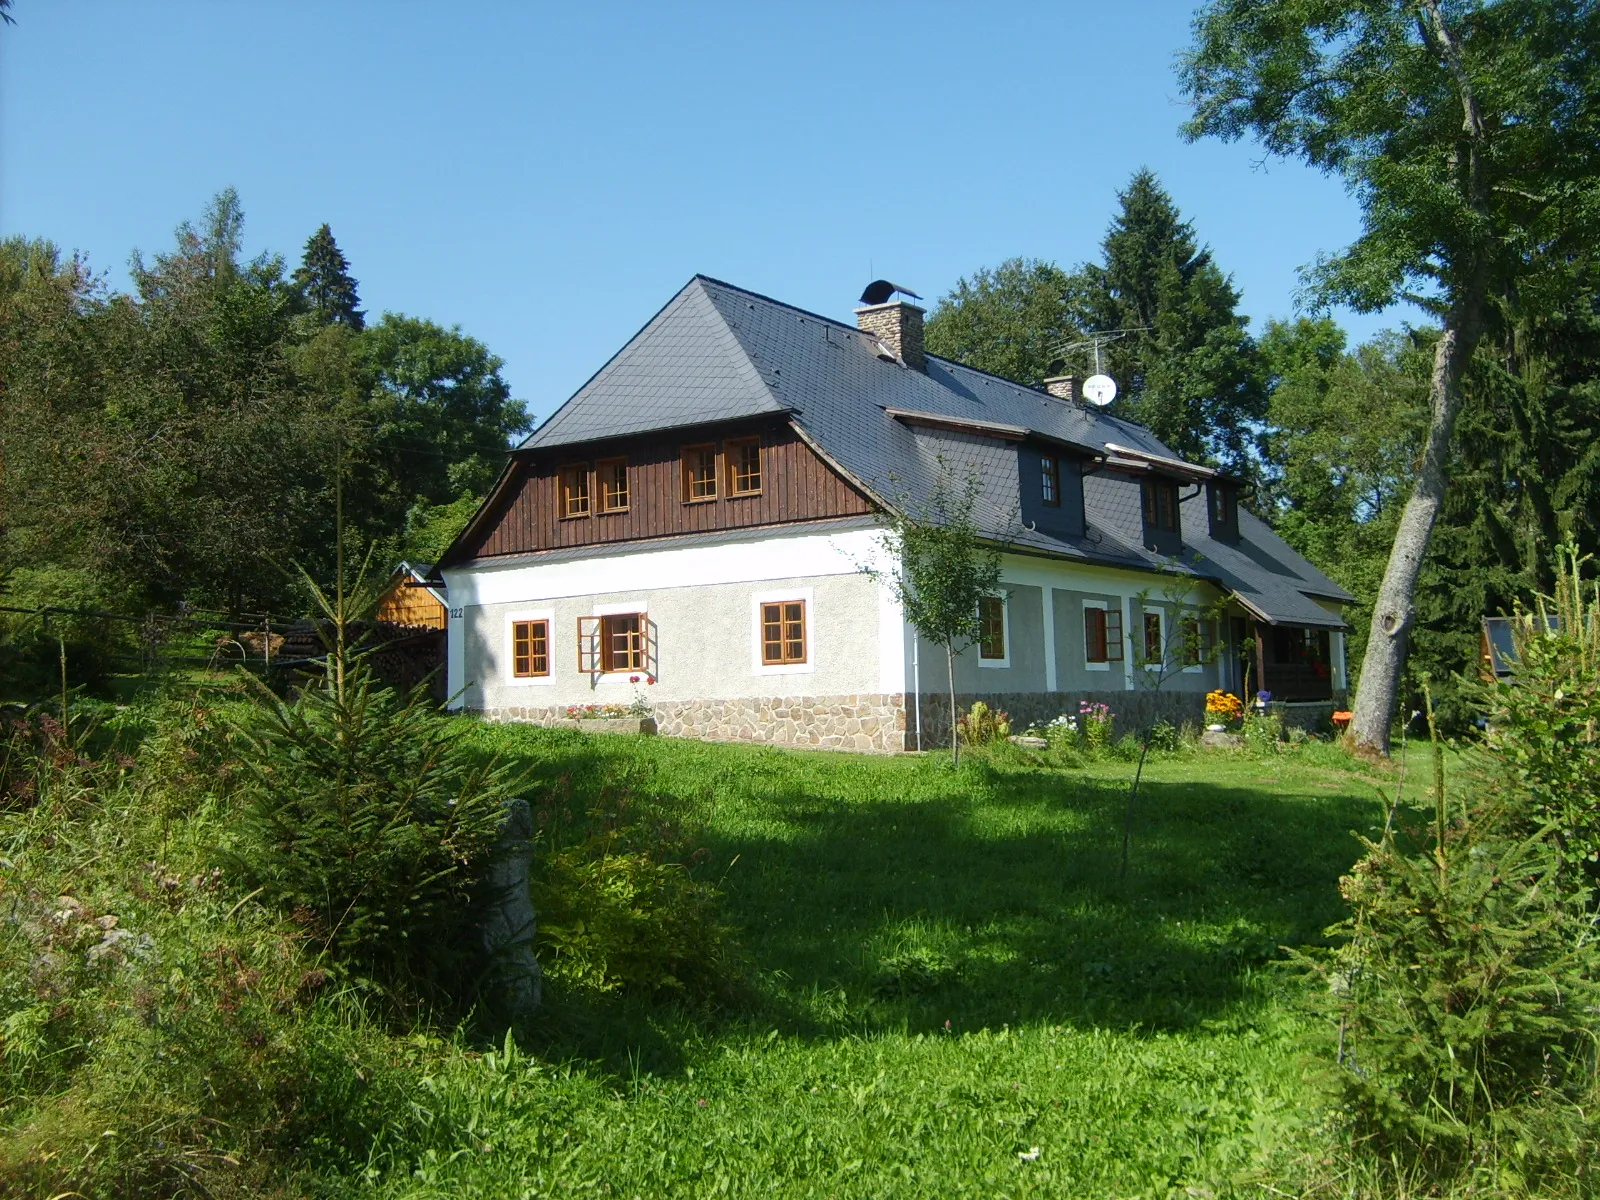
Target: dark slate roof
x=719 y=353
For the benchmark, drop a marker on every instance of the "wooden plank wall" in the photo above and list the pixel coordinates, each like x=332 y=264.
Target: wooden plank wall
x=796 y=486
x=411 y=606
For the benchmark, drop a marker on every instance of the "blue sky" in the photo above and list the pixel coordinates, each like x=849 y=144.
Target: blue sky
x=548 y=176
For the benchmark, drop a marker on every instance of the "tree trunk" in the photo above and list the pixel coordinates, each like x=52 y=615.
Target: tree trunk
x=955 y=735
x=1395 y=610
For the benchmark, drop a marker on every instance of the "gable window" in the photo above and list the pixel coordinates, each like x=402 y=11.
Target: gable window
x=992 y=627
x=622 y=642
x=530 y=649
x=699 y=473
x=613 y=476
x=744 y=466
x=575 y=491
x=1050 y=480
x=1102 y=634
x=1152 y=640
x=783 y=632
x=1160 y=504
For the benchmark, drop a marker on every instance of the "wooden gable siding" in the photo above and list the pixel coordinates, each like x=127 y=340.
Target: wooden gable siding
x=405 y=605
x=796 y=485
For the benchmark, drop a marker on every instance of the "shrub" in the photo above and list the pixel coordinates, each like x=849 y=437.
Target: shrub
x=983 y=725
x=1544 y=722
x=621 y=909
x=1163 y=735
x=367 y=820
x=1467 y=991
x=1465 y=996
x=1263 y=732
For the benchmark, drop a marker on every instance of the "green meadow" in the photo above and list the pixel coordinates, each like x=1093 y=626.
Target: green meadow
x=948 y=988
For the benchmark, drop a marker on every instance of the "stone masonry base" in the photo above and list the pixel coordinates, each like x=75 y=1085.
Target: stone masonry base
x=887 y=724
x=869 y=723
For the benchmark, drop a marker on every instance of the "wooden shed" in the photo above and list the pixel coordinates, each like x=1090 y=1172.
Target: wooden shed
x=411 y=600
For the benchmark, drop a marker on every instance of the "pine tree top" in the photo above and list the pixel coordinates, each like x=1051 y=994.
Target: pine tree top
x=324 y=279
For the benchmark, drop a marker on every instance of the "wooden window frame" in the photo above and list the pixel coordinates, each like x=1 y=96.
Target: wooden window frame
x=1222 y=505
x=1050 y=480
x=1193 y=642
x=607 y=493
x=1107 y=632
x=992 y=621
x=1159 y=493
x=636 y=658
x=524 y=657
x=1153 y=620
x=732 y=448
x=565 y=477
x=689 y=480
x=784 y=642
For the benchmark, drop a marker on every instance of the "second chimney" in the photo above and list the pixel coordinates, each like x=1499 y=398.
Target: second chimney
x=1062 y=387
x=897 y=325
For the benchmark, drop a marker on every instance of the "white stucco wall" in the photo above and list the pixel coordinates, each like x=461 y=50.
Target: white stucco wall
x=702 y=603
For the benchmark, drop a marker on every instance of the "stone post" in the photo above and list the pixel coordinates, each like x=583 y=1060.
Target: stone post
x=512 y=982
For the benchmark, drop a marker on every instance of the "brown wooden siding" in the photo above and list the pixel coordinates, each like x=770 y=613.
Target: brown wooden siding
x=797 y=485
x=405 y=605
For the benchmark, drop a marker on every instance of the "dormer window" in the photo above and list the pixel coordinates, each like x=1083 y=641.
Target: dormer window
x=1160 y=504
x=1050 y=480
x=1222 y=506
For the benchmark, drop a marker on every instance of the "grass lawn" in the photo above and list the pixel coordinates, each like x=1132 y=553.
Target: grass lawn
x=951 y=992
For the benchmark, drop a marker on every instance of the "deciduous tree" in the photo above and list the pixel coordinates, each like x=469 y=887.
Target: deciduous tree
x=1468 y=135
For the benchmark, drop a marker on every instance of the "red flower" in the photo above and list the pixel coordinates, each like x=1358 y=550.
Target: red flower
x=633 y=679
x=650 y=678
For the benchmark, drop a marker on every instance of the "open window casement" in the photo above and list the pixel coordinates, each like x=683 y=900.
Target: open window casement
x=588 y=645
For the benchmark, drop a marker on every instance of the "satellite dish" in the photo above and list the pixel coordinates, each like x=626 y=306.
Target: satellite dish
x=1099 y=390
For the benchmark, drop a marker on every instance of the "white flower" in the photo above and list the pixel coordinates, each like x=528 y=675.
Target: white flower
x=1029 y=1155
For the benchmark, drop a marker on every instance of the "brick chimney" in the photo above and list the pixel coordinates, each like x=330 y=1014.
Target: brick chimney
x=1062 y=387
x=897 y=325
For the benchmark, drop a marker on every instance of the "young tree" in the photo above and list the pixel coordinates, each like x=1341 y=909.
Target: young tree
x=324 y=280
x=1187 y=369
x=945 y=568
x=1466 y=132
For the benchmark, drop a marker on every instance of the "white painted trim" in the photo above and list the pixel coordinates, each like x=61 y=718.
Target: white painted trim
x=1005 y=635
x=455 y=654
x=757 y=599
x=623 y=608
x=893 y=640
x=765 y=556
x=1050 y=638
x=533 y=614
x=1103 y=606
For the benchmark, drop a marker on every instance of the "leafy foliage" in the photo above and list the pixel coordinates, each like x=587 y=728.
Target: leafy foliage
x=945 y=567
x=1011 y=321
x=981 y=725
x=362 y=816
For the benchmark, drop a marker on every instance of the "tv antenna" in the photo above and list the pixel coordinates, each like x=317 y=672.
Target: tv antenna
x=1100 y=389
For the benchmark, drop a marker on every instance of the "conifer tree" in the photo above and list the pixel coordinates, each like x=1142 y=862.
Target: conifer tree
x=1187 y=367
x=325 y=281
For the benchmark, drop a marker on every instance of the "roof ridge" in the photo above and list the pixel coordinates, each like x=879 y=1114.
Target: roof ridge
x=948 y=362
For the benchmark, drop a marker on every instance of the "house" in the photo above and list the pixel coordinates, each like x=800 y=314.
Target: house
x=695 y=526
x=411 y=599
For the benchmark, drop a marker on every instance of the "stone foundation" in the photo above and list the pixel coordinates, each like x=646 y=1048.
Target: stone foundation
x=1133 y=712
x=880 y=724
x=874 y=724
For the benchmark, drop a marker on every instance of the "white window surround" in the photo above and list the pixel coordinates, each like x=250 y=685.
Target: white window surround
x=532 y=614
x=757 y=667
x=622 y=608
x=1005 y=634
x=1103 y=606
